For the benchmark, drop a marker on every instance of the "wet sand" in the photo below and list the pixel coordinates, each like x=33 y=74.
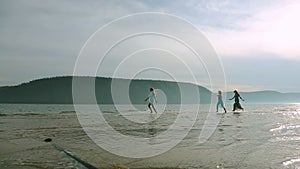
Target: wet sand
x=240 y=141
x=22 y=144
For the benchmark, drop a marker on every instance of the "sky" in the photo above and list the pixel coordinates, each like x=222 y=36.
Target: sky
x=256 y=41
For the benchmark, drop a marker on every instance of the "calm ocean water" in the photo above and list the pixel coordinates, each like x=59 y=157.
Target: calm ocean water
x=263 y=136
x=35 y=108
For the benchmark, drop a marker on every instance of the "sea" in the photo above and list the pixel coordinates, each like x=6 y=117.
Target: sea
x=178 y=136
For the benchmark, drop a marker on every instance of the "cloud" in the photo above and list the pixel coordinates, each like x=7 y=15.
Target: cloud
x=44 y=38
x=272 y=31
x=159 y=44
x=261 y=72
x=245 y=88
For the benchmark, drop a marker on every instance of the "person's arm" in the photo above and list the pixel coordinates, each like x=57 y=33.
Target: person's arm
x=241 y=98
x=232 y=98
x=155 y=99
x=146 y=98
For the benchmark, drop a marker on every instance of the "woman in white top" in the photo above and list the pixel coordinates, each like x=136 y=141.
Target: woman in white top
x=151 y=99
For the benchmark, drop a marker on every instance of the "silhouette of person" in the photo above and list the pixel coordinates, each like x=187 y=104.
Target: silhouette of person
x=151 y=99
x=220 y=101
x=237 y=98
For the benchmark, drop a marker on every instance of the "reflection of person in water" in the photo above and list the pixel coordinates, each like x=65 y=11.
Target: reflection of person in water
x=152 y=128
x=237 y=98
x=220 y=101
x=151 y=99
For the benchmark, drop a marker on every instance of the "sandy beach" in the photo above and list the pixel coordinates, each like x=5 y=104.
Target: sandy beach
x=249 y=140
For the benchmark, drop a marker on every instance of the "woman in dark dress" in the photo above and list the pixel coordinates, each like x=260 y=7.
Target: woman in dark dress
x=237 y=98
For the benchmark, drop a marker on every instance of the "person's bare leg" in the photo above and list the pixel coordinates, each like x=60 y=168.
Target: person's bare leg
x=154 y=108
x=149 y=105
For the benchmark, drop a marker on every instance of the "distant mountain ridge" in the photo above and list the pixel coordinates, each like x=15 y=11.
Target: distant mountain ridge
x=58 y=90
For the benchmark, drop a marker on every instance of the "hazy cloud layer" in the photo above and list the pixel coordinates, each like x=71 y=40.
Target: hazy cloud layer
x=43 y=38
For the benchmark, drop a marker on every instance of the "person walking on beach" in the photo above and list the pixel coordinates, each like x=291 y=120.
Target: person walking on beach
x=220 y=101
x=237 y=98
x=151 y=99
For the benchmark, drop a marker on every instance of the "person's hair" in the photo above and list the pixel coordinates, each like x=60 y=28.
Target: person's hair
x=152 y=90
x=235 y=91
x=219 y=92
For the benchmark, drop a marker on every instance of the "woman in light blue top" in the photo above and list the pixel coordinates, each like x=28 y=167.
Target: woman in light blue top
x=151 y=99
x=220 y=101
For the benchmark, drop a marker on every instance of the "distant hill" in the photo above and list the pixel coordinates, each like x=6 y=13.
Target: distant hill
x=58 y=90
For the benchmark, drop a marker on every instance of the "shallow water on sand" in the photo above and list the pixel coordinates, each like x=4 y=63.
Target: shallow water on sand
x=263 y=136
